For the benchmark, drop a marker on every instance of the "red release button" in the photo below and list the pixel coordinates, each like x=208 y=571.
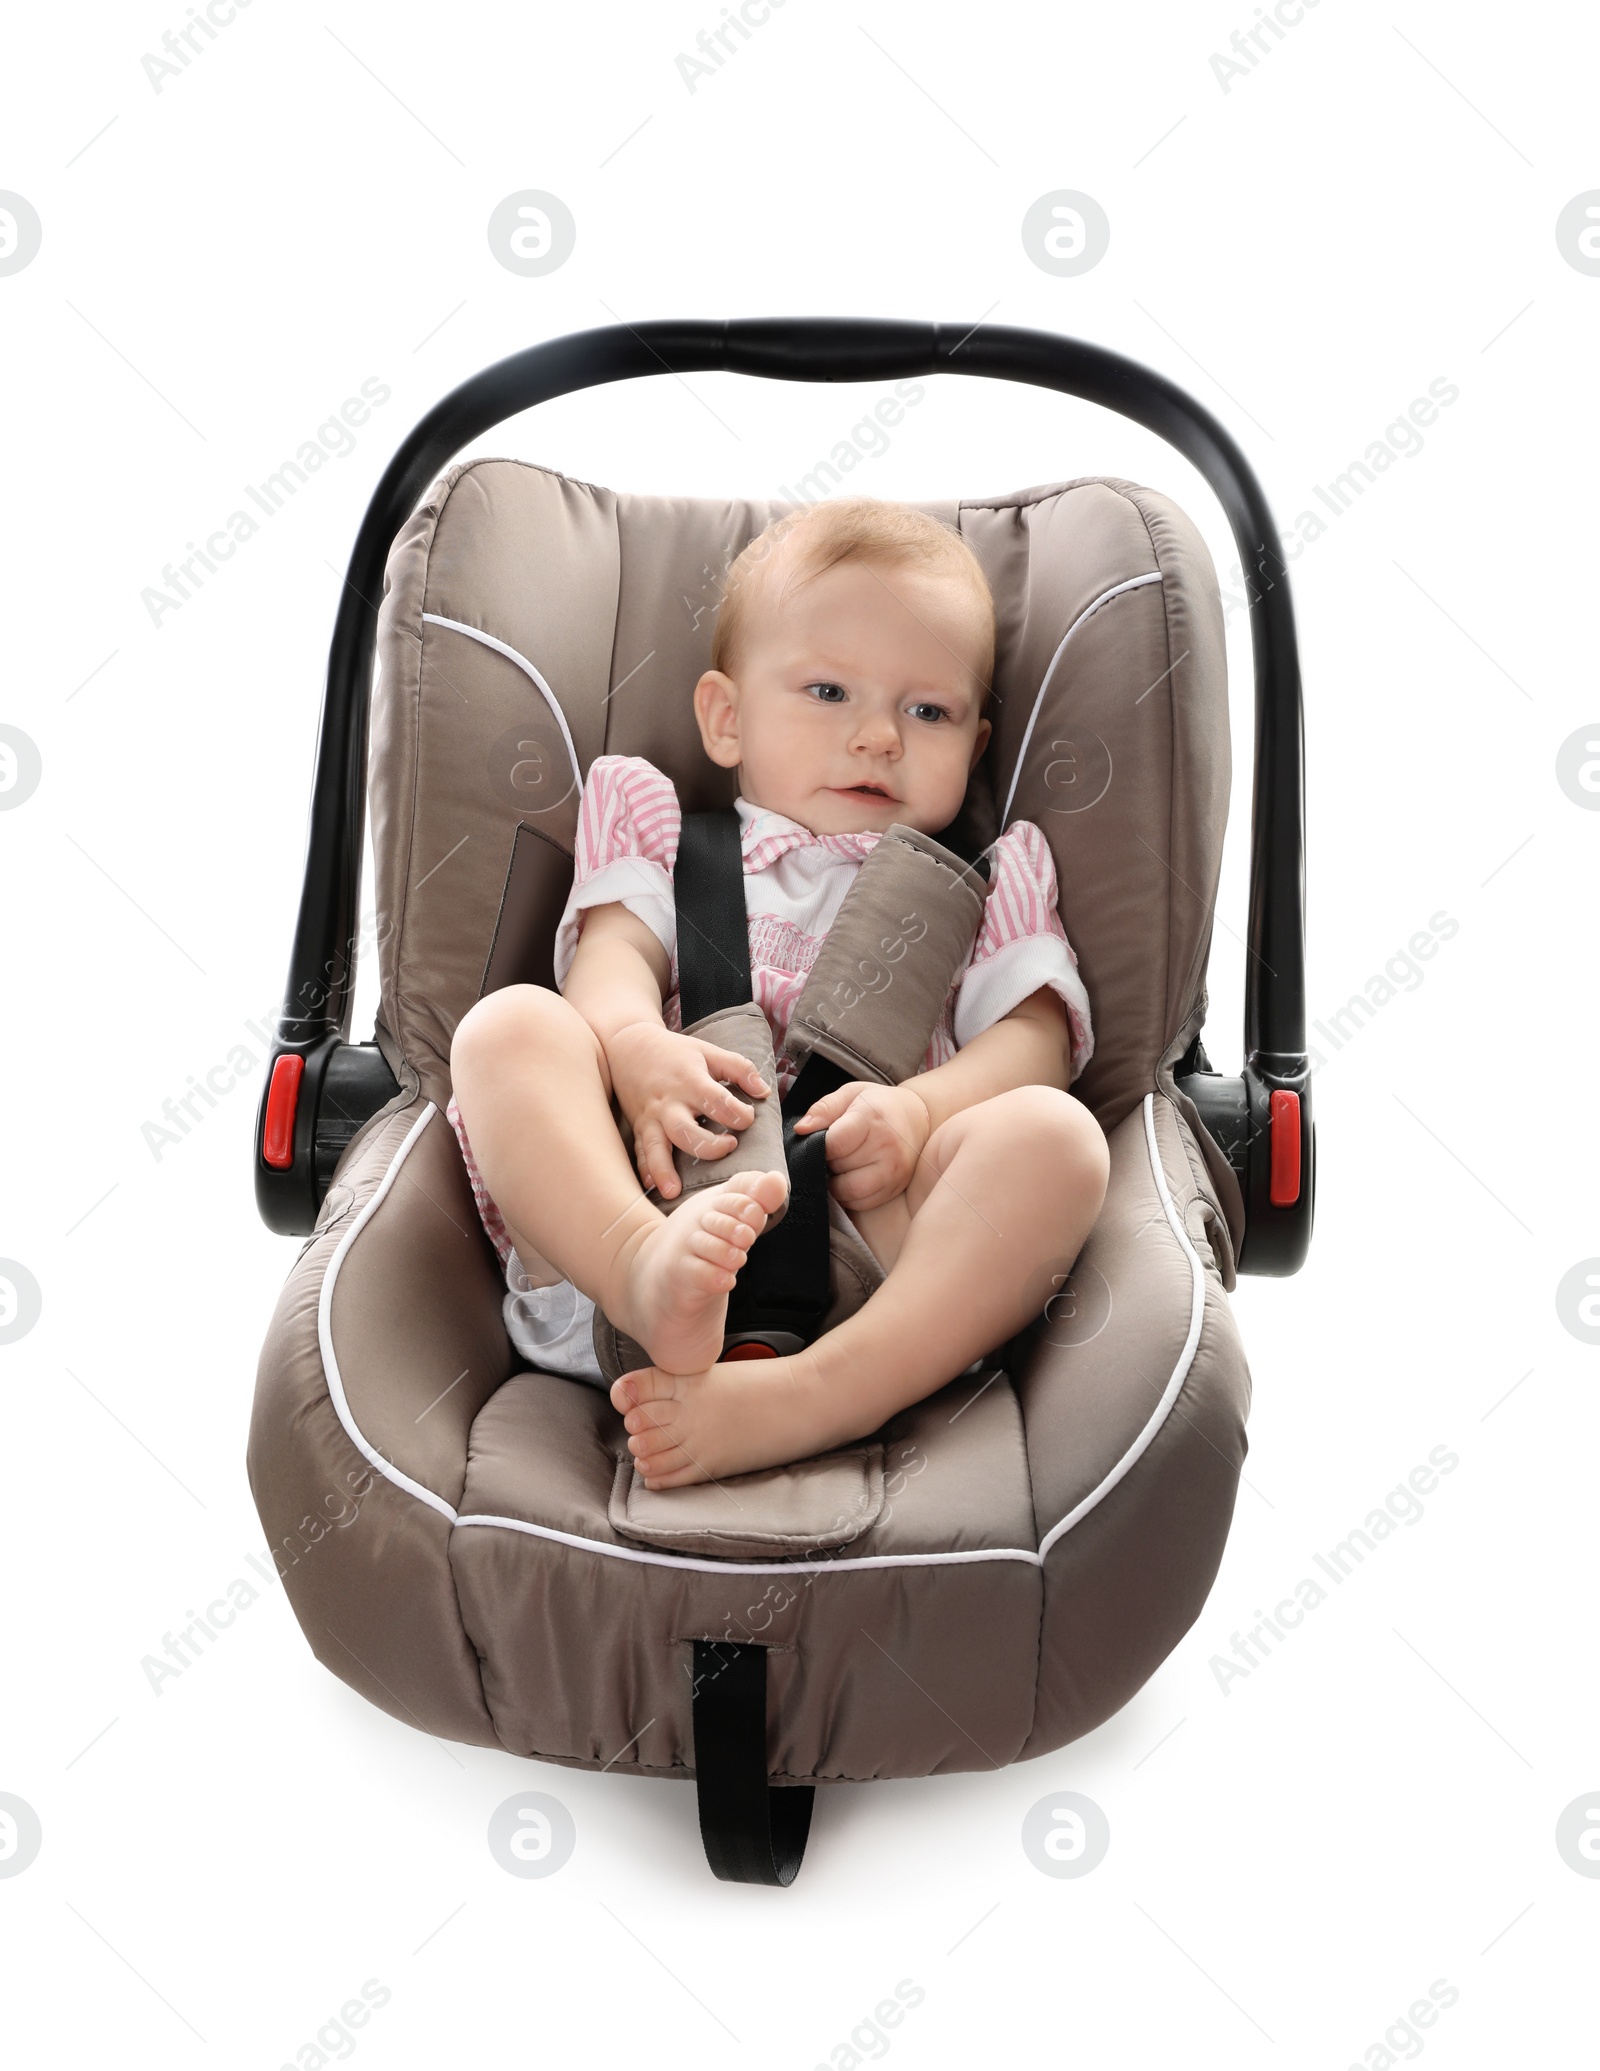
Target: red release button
x=1284 y=1190
x=283 y=1097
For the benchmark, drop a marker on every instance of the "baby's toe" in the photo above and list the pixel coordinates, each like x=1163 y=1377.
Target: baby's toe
x=671 y=1470
x=716 y=1250
x=729 y=1229
x=708 y=1275
x=644 y=1384
x=753 y=1196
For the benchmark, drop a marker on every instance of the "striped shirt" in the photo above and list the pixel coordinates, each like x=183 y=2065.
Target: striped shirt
x=795 y=883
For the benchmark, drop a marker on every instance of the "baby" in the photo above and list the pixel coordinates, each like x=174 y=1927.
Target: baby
x=849 y=674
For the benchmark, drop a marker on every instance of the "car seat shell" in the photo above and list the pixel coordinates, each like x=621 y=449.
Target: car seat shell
x=1007 y=1562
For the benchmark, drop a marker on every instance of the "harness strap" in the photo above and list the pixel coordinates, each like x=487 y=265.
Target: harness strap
x=713 y=932
x=785 y=1283
x=753 y=1834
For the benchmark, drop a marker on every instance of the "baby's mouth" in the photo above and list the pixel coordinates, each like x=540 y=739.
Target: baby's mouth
x=865 y=791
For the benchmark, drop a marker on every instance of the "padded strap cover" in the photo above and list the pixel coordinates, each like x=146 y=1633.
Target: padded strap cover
x=760 y=1146
x=880 y=981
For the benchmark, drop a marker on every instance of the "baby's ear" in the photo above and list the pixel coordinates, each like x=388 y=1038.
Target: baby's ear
x=716 y=710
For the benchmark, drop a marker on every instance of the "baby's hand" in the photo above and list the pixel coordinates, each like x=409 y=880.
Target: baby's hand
x=875 y=1136
x=664 y=1082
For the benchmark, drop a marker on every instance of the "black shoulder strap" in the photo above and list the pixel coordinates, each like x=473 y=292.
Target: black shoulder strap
x=713 y=933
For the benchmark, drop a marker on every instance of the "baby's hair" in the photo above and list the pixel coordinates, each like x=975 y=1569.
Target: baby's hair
x=856 y=528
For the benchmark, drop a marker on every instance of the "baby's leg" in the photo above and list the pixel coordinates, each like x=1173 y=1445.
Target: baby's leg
x=531 y=1082
x=999 y=1206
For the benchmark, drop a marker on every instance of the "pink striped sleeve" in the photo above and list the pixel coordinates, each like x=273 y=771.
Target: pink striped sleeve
x=1022 y=945
x=628 y=808
x=1022 y=892
x=628 y=823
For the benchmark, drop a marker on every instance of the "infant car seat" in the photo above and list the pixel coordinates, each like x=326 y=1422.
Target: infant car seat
x=1006 y=1563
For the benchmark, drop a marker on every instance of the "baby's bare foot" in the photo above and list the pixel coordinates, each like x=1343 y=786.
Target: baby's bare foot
x=734 y=1418
x=681 y=1269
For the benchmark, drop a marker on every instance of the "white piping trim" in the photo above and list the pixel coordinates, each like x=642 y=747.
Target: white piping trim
x=1135 y=582
x=1197 y=1309
x=392 y=1473
x=330 y=1363
x=454 y=625
x=762 y=1567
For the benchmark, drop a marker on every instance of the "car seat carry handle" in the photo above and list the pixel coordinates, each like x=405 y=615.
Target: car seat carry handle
x=752 y=1833
x=316 y=1013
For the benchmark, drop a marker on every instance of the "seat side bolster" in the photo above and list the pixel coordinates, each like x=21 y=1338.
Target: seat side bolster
x=410 y=1336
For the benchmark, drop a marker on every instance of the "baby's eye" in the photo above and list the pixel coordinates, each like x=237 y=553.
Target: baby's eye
x=828 y=693
x=926 y=711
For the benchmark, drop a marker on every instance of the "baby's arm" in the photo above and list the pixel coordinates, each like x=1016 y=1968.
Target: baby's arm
x=876 y=1134
x=619 y=973
x=663 y=1081
x=1030 y=1046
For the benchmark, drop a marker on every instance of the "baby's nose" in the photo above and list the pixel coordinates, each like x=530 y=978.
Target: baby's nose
x=878 y=734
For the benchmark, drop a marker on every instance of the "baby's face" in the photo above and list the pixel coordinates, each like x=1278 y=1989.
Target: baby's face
x=853 y=703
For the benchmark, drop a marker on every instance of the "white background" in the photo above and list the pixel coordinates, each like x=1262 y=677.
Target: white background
x=1372 y=207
